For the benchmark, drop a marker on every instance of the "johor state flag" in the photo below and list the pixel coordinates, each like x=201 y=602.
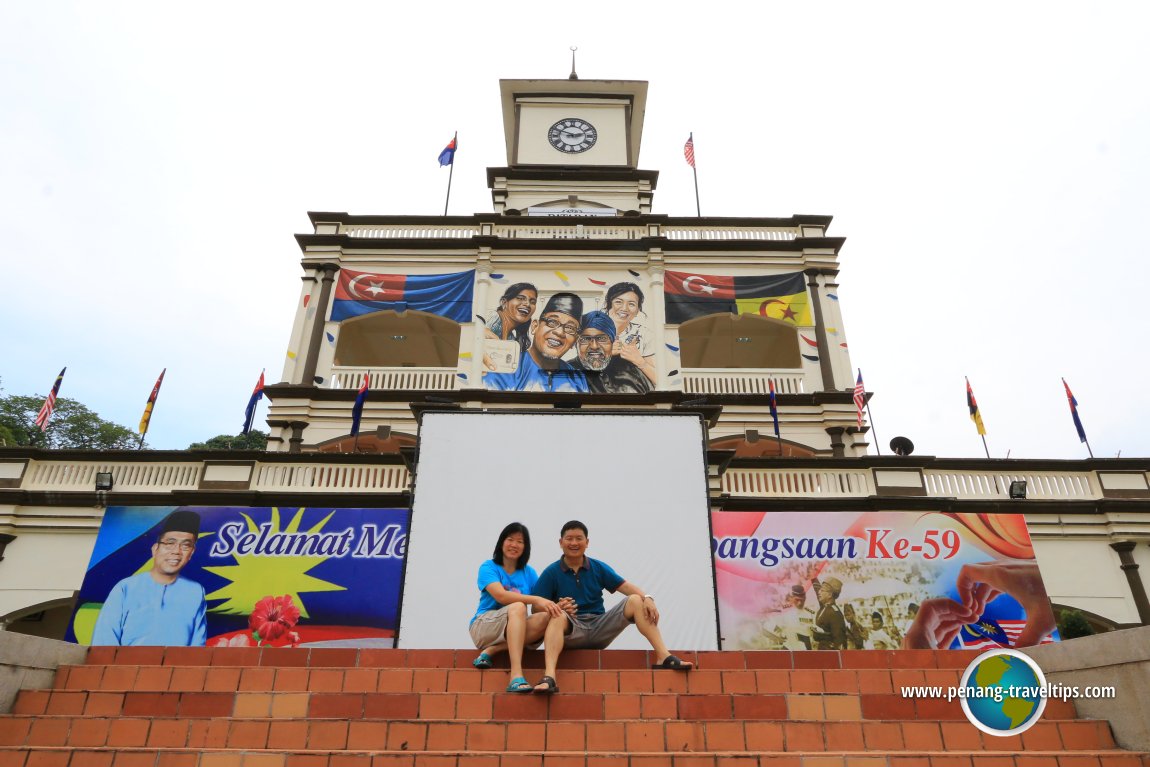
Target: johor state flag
x=448 y=295
x=778 y=296
x=447 y=156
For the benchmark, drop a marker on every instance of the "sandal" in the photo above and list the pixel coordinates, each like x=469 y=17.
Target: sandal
x=550 y=689
x=483 y=661
x=519 y=684
x=674 y=663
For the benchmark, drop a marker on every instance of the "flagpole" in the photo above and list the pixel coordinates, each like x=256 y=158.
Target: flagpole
x=450 y=173
x=984 y=447
x=874 y=433
x=695 y=173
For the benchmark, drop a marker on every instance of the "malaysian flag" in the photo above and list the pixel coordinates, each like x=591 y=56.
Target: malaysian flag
x=860 y=397
x=49 y=403
x=689 y=150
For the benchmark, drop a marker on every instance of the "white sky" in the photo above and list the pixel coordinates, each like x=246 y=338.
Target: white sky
x=987 y=163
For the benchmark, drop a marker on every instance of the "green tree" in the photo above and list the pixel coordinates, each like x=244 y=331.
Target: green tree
x=72 y=425
x=1073 y=624
x=253 y=440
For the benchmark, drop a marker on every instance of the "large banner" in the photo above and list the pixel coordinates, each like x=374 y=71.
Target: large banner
x=877 y=580
x=242 y=576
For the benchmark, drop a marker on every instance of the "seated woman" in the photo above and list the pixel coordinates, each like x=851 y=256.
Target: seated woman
x=501 y=622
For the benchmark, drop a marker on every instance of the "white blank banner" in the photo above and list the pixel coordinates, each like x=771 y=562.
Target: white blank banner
x=637 y=481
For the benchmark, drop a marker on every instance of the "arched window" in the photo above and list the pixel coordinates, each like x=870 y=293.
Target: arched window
x=739 y=341
x=389 y=339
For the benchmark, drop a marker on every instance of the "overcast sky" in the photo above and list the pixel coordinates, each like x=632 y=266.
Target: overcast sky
x=987 y=163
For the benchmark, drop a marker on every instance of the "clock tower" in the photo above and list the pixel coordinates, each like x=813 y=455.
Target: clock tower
x=572 y=149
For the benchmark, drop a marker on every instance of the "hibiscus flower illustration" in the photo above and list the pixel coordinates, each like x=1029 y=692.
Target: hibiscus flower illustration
x=274 y=617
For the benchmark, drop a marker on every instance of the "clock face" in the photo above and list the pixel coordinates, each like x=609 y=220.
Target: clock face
x=572 y=135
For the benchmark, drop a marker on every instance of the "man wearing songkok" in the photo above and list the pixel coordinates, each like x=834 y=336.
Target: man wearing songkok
x=157 y=606
x=541 y=366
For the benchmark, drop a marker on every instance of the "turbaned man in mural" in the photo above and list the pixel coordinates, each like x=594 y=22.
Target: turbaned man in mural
x=541 y=366
x=606 y=372
x=157 y=606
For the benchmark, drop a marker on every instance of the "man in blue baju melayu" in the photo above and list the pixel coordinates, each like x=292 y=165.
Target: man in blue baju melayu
x=158 y=607
x=541 y=365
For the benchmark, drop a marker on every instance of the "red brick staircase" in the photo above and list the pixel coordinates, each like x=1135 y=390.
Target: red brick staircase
x=246 y=707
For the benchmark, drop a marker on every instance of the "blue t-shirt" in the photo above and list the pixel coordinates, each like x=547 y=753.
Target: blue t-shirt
x=585 y=586
x=140 y=611
x=531 y=377
x=520 y=582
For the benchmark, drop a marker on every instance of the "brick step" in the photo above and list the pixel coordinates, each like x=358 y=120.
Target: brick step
x=332 y=679
x=504 y=706
x=569 y=735
x=99 y=757
x=573 y=659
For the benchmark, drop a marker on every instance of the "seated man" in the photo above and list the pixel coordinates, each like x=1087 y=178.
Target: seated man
x=606 y=373
x=579 y=579
x=541 y=365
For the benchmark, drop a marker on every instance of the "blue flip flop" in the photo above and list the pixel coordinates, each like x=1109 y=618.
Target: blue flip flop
x=483 y=661
x=519 y=684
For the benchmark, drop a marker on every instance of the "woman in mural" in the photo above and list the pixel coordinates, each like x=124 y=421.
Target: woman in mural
x=632 y=340
x=501 y=622
x=512 y=318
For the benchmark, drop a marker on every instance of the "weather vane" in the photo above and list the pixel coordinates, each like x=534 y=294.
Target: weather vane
x=573 y=75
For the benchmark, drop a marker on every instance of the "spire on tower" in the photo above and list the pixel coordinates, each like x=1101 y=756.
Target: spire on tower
x=573 y=75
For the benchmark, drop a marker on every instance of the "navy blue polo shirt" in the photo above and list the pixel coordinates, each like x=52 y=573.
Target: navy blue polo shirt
x=584 y=585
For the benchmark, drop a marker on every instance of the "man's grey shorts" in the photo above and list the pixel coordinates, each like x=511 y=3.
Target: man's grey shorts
x=596 y=631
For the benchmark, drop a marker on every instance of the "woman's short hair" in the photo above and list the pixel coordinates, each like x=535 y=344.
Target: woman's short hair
x=510 y=530
x=619 y=288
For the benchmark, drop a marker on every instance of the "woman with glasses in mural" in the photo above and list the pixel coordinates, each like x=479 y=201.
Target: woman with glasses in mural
x=501 y=622
x=632 y=341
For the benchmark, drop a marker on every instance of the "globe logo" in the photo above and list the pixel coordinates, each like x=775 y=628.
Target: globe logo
x=1002 y=692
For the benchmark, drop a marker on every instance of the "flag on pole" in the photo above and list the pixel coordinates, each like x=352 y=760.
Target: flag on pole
x=151 y=404
x=49 y=403
x=250 y=413
x=773 y=403
x=689 y=150
x=357 y=409
x=1074 y=412
x=972 y=404
x=860 y=397
x=447 y=156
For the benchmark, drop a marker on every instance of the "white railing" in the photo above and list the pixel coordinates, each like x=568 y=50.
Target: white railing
x=797 y=483
x=727 y=233
x=304 y=477
x=136 y=475
x=397 y=379
x=986 y=484
x=729 y=381
x=570 y=232
x=421 y=232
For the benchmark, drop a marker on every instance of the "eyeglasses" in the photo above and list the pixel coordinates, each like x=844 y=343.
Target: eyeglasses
x=554 y=324
x=601 y=341
x=171 y=544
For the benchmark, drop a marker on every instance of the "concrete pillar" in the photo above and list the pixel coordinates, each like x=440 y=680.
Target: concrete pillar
x=825 y=365
x=1125 y=551
x=318 y=320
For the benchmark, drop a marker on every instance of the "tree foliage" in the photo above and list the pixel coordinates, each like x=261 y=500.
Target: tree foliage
x=72 y=425
x=1073 y=624
x=253 y=440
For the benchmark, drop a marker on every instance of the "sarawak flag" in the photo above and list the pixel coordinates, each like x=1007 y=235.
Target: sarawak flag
x=778 y=296
x=357 y=408
x=250 y=413
x=448 y=295
x=147 y=417
x=972 y=405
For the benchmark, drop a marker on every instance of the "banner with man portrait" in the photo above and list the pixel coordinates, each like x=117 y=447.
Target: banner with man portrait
x=243 y=576
x=877 y=580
